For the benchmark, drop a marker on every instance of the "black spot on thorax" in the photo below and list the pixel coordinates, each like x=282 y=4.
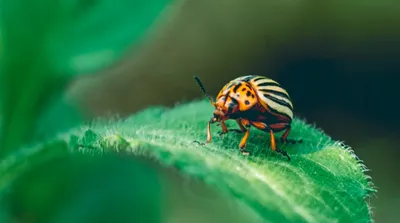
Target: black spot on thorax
x=232 y=105
x=237 y=87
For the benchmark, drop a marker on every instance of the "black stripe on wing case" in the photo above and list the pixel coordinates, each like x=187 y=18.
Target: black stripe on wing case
x=277 y=112
x=267 y=91
x=268 y=84
x=281 y=102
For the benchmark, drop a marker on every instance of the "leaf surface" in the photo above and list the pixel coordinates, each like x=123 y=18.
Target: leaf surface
x=324 y=181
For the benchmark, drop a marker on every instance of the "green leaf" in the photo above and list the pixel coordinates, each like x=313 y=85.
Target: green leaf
x=324 y=182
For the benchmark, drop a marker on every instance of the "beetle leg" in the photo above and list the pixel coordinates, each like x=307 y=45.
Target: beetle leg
x=274 y=147
x=209 y=137
x=260 y=125
x=242 y=128
x=224 y=128
x=284 y=137
x=243 y=142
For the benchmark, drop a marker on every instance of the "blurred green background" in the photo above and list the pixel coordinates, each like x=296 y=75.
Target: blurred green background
x=337 y=59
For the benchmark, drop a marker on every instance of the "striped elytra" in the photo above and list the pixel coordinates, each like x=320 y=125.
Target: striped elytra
x=266 y=91
x=253 y=101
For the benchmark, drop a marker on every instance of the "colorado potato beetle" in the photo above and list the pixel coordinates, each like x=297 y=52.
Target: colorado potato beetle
x=256 y=101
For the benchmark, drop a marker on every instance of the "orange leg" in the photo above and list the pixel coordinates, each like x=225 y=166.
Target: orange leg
x=259 y=125
x=244 y=139
x=242 y=128
x=272 y=137
x=263 y=126
x=226 y=130
x=243 y=142
x=284 y=137
x=285 y=134
x=274 y=147
x=209 y=137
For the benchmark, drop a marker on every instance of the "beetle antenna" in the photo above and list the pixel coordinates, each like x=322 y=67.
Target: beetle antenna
x=197 y=79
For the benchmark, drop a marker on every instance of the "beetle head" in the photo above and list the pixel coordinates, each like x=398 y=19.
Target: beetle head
x=221 y=111
x=219 y=114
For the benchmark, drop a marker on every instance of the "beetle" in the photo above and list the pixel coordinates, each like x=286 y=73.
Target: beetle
x=256 y=101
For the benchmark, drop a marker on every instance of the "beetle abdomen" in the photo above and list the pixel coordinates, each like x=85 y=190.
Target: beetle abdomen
x=271 y=95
